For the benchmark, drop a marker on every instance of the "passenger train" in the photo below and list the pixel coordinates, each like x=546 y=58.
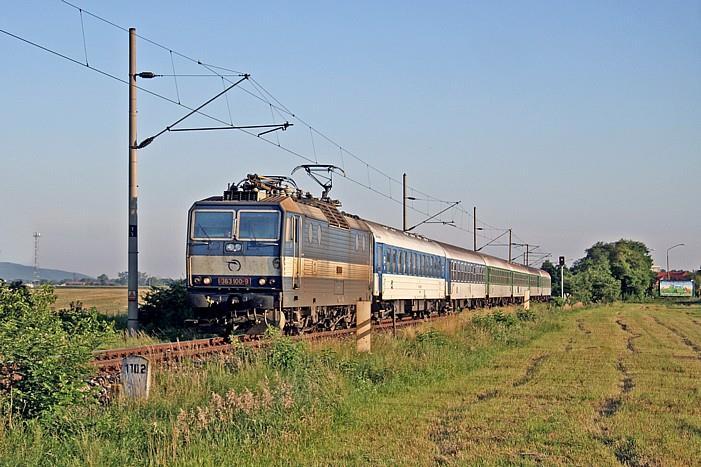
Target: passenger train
x=265 y=253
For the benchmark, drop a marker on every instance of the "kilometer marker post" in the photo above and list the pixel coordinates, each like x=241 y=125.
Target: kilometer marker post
x=136 y=377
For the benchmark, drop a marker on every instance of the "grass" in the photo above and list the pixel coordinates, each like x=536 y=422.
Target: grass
x=608 y=385
x=110 y=301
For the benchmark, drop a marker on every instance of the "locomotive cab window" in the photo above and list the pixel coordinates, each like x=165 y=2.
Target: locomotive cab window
x=258 y=225
x=212 y=225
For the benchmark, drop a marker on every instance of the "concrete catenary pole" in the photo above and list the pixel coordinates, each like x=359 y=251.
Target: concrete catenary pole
x=525 y=258
x=509 y=245
x=404 y=198
x=133 y=267
x=474 y=228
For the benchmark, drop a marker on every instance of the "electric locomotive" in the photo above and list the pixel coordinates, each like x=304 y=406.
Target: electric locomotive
x=265 y=253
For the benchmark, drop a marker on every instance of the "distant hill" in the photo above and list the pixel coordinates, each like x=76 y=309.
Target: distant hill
x=14 y=271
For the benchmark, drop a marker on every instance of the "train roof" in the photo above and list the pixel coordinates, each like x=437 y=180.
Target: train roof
x=456 y=252
x=327 y=212
x=394 y=237
x=309 y=207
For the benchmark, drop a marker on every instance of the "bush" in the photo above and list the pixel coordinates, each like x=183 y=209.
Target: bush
x=166 y=307
x=525 y=315
x=498 y=324
x=366 y=371
x=557 y=301
x=45 y=355
x=432 y=337
x=284 y=353
x=596 y=285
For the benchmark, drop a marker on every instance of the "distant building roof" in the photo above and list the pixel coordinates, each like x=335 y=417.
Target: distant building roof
x=674 y=276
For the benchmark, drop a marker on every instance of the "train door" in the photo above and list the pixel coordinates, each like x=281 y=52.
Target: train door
x=296 y=251
x=379 y=262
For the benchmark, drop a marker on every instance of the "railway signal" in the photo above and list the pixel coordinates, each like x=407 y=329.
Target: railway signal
x=562 y=277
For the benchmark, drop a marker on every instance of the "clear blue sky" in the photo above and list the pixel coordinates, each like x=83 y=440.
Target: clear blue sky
x=570 y=122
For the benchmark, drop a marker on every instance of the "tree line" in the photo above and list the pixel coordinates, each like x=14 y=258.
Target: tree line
x=608 y=272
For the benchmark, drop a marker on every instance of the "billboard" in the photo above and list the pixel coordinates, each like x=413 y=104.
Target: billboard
x=676 y=288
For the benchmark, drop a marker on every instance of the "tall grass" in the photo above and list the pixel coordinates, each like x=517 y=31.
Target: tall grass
x=256 y=407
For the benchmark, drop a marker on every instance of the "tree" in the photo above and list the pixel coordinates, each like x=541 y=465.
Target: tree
x=596 y=284
x=626 y=263
x=143 y=278
x=122 y=278
x=632 y=265
x=103 y=279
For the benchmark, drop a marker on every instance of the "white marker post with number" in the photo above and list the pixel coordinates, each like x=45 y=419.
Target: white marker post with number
x=527 y=300
x=136 y=377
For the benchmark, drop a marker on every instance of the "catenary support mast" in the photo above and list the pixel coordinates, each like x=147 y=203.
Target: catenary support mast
x=133 y=266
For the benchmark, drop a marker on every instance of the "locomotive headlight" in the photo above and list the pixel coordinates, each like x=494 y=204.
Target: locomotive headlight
x=233 y=247
x=197 y=280
x=207 y=280
x=261 y=281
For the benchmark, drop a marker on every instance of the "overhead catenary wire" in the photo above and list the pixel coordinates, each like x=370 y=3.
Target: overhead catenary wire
x=265 y=96
x=141 y=88
x=200 y=112
x=278 y=105
x=193 y=110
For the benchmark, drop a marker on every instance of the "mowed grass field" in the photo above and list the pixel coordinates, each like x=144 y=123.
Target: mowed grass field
x=109 y=301
x=618 y=384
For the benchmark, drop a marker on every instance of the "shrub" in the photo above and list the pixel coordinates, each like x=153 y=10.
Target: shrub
x=45 y=355
x=432 y=337
x=284 y=353
x=498 y=324
x=596 y=285
x=557 y=301
x=166 y=307
x=366 y=371
x=525 y=315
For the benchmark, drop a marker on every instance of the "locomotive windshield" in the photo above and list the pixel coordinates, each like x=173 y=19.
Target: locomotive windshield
x=211 y=225
x=258 y=225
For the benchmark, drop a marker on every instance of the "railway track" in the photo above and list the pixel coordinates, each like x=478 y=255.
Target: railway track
x=110 y=361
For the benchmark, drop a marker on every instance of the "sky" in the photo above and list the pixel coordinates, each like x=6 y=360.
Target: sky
x=568 y=122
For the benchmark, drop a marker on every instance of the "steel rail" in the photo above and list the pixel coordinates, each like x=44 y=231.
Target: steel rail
x=110 y=360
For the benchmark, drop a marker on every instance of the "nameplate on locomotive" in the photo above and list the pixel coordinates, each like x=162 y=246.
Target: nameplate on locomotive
x=234 y=281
